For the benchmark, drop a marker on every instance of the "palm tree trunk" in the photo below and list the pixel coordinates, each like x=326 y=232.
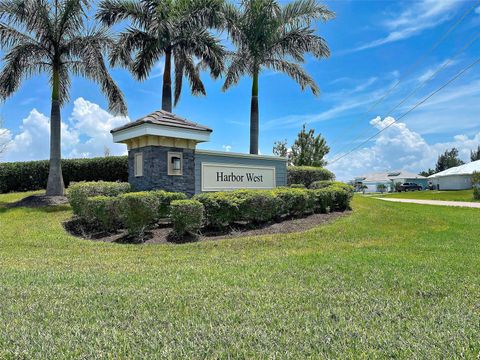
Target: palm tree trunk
x=167 y=82
x=254 y=116
x=55 y=186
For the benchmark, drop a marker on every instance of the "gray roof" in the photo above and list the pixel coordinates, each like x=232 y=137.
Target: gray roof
x=389 y=176
x=164 y=118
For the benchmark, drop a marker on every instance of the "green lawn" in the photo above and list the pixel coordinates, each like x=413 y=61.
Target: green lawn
x=391 y=280
x=459 y=195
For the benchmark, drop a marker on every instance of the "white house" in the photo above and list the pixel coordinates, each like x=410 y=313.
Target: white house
x=389 y=179
x=456 y=178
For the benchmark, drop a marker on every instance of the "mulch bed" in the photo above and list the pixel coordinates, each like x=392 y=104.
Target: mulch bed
x=36 y=201
x=162 y=234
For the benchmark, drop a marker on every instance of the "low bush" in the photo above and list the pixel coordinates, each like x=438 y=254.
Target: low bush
x=341 y=196
x=306 y=175
x=138 y=211
x=103 y=211
x=187 y=217
x=78 y=193
x=221 y=208
x=257 y=206
x=33 y=175
x=295 y=202
x=321 y=184
x=476 y=185
x=298 y=186
x=165 y=199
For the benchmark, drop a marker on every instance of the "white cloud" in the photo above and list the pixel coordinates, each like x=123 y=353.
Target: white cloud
x=397 y=148
x=86 y=134
x=477 y=10
x=418 y=17
x=227 y=148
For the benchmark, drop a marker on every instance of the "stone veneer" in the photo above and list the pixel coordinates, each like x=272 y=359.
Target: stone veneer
x=155 y=172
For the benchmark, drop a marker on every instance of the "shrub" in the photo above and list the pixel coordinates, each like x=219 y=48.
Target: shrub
x=103 y=212
x=295 y=202
x=321 y=184
x=33 y=175
x=165 y=199
x=306 y=175
x=476 y=185
x=257 y=206
x=221 y=208
x=138 y=210
x=341 y=196
x=187 y=216
x=297 y=186
x=79 y=192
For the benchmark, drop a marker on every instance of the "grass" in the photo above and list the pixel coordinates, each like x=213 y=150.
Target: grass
x=391 y=280
x=458 y=195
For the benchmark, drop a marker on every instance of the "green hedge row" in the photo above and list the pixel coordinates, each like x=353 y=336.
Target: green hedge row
x=112 y=205
x=256 y=206
x=33 y=175
x=306 y=175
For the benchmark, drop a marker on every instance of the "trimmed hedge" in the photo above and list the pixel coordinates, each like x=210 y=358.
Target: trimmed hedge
x=103 y=212
x=187 y=217
x=306 y=175
x=33 y=175
x=255 y=206
x=138 y=211
x=165 y=199
x=78 y=193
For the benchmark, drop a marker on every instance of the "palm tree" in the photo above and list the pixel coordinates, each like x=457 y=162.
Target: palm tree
x=176 y=30
x=270 y=36
x=41 y=37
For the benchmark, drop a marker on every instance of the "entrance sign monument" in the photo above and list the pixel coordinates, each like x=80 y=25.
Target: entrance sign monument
x=162 y=154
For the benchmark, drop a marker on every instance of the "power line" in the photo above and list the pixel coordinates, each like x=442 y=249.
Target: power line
x=412 y=67
x=410 y=110
x=420 y=85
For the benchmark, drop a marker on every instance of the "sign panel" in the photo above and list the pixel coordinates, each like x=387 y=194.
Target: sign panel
x=221 y=177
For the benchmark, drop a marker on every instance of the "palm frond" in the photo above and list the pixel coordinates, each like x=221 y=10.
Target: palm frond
x=111 y=12
x=206 y=47
x=298 y=41
x=178 y=77
x=303 y=12
x=89 y=50
x=294 y=71
x=240 y=65
x=20 y=63
x=130 y=41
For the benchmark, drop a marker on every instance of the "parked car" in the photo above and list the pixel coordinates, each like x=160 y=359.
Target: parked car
x=409 y=187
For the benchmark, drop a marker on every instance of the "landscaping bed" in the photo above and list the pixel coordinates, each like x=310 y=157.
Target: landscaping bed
x=105 y=208
x=161 y=234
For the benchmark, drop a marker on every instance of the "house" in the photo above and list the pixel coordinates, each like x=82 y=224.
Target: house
x=389 y=179
x=456 y=178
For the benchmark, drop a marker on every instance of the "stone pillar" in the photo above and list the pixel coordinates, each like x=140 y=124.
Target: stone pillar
x=155 y=170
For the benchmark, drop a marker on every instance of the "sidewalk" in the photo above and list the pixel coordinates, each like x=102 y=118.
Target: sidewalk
x=434 y=202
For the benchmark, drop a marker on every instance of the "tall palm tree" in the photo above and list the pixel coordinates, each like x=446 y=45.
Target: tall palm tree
x=44 y=37
x=174 y=29
x=270 y=36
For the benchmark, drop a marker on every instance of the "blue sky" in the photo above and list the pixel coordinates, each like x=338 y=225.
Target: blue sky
x=373 y=45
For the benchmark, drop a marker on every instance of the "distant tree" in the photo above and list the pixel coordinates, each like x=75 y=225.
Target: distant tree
x=363 y=188
x=448 y=160
x=308 y=149
x=475 y=154
x=427 y=173
x=106 y=151
x=381 y=188
x=280 y=148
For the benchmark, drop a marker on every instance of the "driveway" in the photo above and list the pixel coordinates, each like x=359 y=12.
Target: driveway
x=434 y=202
